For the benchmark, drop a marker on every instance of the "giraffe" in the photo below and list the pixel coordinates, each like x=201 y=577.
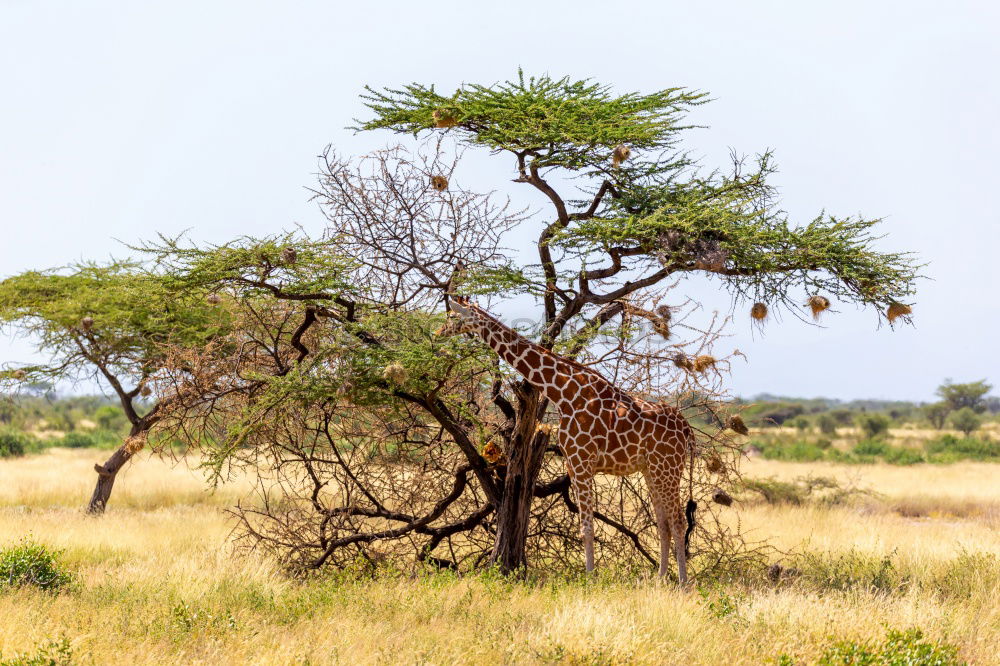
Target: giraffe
x=602 y=429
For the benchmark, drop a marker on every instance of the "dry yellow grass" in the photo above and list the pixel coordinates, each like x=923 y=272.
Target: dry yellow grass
x=158 y=584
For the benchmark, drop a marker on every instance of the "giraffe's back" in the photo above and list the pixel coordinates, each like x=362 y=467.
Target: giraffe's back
x=627 y=436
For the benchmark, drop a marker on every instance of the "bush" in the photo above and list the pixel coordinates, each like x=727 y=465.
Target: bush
x=852 y=570
x=78 y=440
x=901 y=648
x=776 y=492
x=965 y=421
x=798 y=451
x=949 y=448
x=871 y=447
x=53 y=653
x=110 y=417
x=898 y=455
x=31 y=563
x=873 y=424
x=801 y=423
x=827 y=424
x=14 y=442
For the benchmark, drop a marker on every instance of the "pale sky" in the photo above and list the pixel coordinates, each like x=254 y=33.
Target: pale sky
x=122 y=119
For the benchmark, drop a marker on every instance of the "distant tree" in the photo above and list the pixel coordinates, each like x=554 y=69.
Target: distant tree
x=110 y=417
x=801 y=423
x=873 y=424
x=108 y=323
x=992 y=404
x=827 y=424
x=965 y=420
x=959 y=396
x=780 y=413
x=937 y=413
x=842 y=416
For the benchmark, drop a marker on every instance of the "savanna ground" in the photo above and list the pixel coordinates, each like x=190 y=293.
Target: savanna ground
x=157 y=582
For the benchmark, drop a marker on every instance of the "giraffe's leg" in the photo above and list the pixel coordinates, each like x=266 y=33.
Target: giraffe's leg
x=678 y=524
x=662 y=524
x=665 y=488
x=583 y=488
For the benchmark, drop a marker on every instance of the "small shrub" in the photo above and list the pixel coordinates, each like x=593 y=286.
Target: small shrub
x=873 y=424
x=900 y=648
x=898 y=455
x=31 y=563
x=852 y=571
x=949 y=448
x=827 y=424
x=78 y=440
x=801 y=423
x=110 y=417
x=52 y=653
x=799 y=451
x=776 y=492
x=871 y=447
x=14 y=443
x=968 y=575
x=965 y=421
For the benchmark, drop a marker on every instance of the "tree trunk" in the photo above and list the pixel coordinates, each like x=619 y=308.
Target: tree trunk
x=106 y=474
x=514 y=512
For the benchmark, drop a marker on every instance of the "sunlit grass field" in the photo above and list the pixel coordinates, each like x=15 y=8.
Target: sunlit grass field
x=157 y=581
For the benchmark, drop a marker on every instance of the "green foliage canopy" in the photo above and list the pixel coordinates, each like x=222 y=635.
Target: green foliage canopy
x=114 y=316
x=655 y=212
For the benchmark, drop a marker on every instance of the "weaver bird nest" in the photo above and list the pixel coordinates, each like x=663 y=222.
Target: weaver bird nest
x=289 y=255
x=439 y=183
x=492 y=453
x=897 y=310
x=135 y=443
x=395 y=373
x=683 y=361
x=703 y=363
x=758 y=312
x=444 y=118
x=619 y=155
x=737 y=425
x=818 y=304
x=720 y=496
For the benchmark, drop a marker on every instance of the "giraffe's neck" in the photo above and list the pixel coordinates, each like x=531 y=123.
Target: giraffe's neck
x=547 y=371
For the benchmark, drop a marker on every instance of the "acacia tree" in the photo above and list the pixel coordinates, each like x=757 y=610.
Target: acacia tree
x=109 y=323
x=641 y=215
x=372 y=431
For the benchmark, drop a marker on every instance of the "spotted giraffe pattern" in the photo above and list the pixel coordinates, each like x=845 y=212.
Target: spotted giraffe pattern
x=602 y=429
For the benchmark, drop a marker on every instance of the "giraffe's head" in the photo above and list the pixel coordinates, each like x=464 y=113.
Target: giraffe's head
x=460 y=319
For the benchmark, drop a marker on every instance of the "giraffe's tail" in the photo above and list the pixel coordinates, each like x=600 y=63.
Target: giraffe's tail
x=689 y=514
x=692 y=506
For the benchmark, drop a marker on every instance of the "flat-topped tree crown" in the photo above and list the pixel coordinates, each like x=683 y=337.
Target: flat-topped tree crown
x=648 y=210
x=117 y=315
x=576 y=125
